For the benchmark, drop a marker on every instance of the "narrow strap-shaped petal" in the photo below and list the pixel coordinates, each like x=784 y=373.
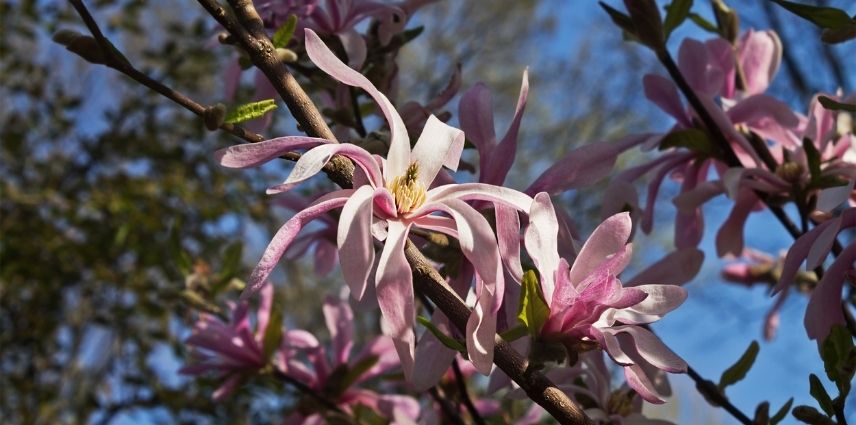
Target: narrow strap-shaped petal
x=395 y=294
x=355 y=241
x=676 y=268
x=639 y=381
x=824 y=309
x=479 y=191
x=286 y=234
x=761 y=107
x=607 y=239
x=439 y=145
x=799 y=251
x=315 y=159
x=506 y=151
x=253 y=154
x=541 y=243
x=340 y=322
x=759 y=54
x=704 y=76
x=433 y=357
x=508 y=236
x=398 y=158
x=476 y=117
x=729 y=238
x=651 y=348
x=663 y=93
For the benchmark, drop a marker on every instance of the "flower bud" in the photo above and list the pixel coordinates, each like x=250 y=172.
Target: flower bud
x=285 y=55
x=727 y=21
x=649 y=26
x=790 y=171
x=213 y=116
x=66 y=36
x=810 y=415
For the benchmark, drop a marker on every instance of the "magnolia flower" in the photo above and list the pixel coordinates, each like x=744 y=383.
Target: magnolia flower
x=338 y=375
x=590 y=308
x=321 y=241
x=756 y=267
x=824 y=308
x=390 y=197
x=230 y=350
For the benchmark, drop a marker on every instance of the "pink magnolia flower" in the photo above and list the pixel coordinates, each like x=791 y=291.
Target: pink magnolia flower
x=389 y=197
x=756 y=267
x=230 y=350
x=338 y=375
x=321 y=241
x=824 y=308
x=589 y=305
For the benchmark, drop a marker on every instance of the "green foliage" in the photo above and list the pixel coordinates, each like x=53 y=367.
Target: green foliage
x=514 y=333
x=250 y=111
x=813 y=158
x=690 y=138
x=782 y=412
x=819 y=393
x=834 y=105
x=739 y=369
x=283 y=34
x=273 y=332
x=676 y=13
x=822 y=16
x=533 y=311
x=443 y=338
x=703 y=23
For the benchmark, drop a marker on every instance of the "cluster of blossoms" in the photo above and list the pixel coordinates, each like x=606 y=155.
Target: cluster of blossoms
x=584 y=310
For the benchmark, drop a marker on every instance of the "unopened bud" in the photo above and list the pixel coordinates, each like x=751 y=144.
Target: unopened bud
x=213 y=116
x=727 y=21
x=66 y=36
x=225 y=38
x=810 y=415
x=87 y=48
x=790 y=171
x=285 y=55
x=245 y=62
x=649 y=26
x=620 y=403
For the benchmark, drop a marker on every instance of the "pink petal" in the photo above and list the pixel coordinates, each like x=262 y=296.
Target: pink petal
x=677 y=268
x=760 y=54
x=478 y=191
x=640 y=383
x=476 y=117
x=340 y=322
x=757 y=108
x=799 y=251
x=502 y=158
x=824 y=309
x=541 y=243
x=253 y=154
x=315 y=159
x=661 y=299
x=355 y=241
x=729 y=238
x=650 y=348
x=286 y=234
x=439 y=145
x=702 y=75
x=432 y=356
x=398 y=158
x=508 y=236
x=395 y=293
x=608 y=238
x=355 y=47
x=663 y=93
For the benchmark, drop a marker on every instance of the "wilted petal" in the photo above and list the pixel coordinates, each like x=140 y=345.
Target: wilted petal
x=286 y=234
x=253 y=154
x=354 y=238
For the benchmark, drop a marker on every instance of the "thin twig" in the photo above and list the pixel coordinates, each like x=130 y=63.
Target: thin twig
x=447 y=408
x=309 y=391
x=711 y=392
x=465 y=395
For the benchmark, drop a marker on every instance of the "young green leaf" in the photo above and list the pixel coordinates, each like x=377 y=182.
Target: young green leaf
x=834 y=105
x=691 y=138
x=824 y=17
x=782 y=412
x=676 y=14
x=738 y=370
x=250 y=111
x=533 y=311
x=813 y=158
x=284 y=33
x=703 y=23
x=514 y=333
x=443 y=338
x=838 y=358
x=819 y=393
x=619 y=18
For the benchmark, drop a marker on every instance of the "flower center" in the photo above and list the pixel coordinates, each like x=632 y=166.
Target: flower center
x=408 y=193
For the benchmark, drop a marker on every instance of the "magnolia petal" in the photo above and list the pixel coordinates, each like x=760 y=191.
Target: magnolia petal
x=663 y=93
x=502 y=158
x=439 y=145
x=315 y=159
x=398 y=158
x=824 y=308
x=508 y=237
x=729 y=238
x=355 y=242
x=253 y=154
x=649 y=347
x=228 y=387
x=394 y=282
x=340 y=322
x=640 y=383
x=759 y=54
x=541 y=243
x=355 y=47
x=761 y=107
x=608 y=238
x=799 y=251
x=479 y=191
x=286 y=234
x=692 y=199
x=432 y=356
x=700 y=73
x=476 y=117
x=677 y=268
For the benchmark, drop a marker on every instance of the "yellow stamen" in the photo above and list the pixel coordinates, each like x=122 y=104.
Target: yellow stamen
x=408 y=193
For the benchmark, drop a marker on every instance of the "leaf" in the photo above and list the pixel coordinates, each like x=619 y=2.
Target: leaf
x=836 y=352
x=284 y=33
x=813 y=158
x=703 y=23
x=231 y=260
x=676 y=13
x=838 y=35
x=514 y=333
x=273 y=333
x=834 y=105
x=824 y=17
x=250 y=111
x=443 y=338
x=622 y=20
x=819 y=393
x=533 y=311
x=738 y=370
x=691 y=138
x=782 y=412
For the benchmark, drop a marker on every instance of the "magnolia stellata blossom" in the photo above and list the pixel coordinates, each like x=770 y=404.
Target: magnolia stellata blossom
x=321 y=241
x=389 y=197
x=589 y=307
x=231 y=350
x=338 y=375
x=824 y=308
x=756 y=267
